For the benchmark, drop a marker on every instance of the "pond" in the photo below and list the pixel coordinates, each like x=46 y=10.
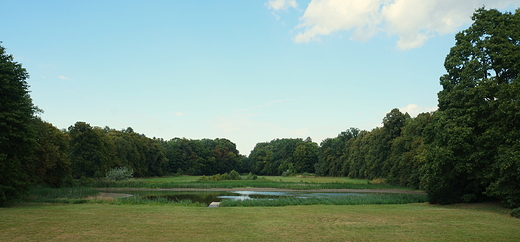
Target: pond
x=208 y=197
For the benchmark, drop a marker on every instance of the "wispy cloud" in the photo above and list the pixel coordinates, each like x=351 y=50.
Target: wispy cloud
x=413 y=21
x=178 y=114
x=64 y=78
x=414 y=109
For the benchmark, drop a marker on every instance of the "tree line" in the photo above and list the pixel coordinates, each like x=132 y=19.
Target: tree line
x=93 y=151
x=466 y=151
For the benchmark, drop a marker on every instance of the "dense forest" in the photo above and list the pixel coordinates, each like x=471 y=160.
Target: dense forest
x=466 y=151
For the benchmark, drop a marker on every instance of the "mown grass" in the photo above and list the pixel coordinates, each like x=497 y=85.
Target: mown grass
x=410 y=222
x=343 y=200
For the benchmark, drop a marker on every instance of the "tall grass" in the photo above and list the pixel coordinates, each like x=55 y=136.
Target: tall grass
x=60 y=195
x=138 y=200
x=142 y=183
x=344 y=200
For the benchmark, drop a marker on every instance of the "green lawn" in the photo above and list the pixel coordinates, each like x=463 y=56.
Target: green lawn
x=411 y=222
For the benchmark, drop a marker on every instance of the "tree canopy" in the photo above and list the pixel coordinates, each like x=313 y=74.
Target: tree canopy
x=472 y=143
x=17 y=133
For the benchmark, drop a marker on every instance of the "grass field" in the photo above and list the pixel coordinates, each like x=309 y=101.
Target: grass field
x=410 y=222
x=65 y=215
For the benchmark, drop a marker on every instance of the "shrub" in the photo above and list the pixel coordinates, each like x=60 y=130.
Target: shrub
x=225 y=176
x=515 y=212
x=234 y=175
x=120 y=173
x=379 y=181
x=286 y=173
x=216 y=177
x=250 y=176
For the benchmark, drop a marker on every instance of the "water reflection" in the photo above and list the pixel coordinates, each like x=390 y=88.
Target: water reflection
x=208 y=197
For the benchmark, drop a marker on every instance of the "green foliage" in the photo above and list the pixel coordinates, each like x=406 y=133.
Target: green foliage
x=47 y=194
x=216 y=177
x=93 y=153
x=205 y=182
x=137 y=200
x=233 y=175
x=515 y=212
x=52 y=162
x=279 y=155
x=201 y=157
x=471 y=142
x=17 y=131
x=120 y=173
x=250 y=176
x=286 y=173
x=343 y=200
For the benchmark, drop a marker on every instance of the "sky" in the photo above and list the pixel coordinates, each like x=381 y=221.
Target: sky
x=248 y=71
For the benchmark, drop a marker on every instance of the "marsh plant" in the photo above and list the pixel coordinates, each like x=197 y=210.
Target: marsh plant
x=344 y=200
x=233 y=175
x=61 y=195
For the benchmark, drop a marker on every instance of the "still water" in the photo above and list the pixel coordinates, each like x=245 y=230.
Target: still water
x=217 y=196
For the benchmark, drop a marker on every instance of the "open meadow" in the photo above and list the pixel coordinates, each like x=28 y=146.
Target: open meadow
x=67 y=215
x=409 y=222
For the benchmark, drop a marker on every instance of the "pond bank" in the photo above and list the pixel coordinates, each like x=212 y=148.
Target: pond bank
x=260 y=189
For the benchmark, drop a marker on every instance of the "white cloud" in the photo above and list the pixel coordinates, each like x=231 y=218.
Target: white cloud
x=281 y=4
x=64 y=78
x=412 y=21
x=323 y=17
x=414 y=109
x=178 y=114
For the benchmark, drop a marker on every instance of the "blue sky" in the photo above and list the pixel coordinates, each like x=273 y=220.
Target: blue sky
x=248 y=71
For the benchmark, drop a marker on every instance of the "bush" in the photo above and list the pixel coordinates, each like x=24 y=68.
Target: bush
x=234 y=175
x=286 y=173
x=225 y=176
x=216 y=177
x=250 y=176
x=515 y=212
x=120 y=173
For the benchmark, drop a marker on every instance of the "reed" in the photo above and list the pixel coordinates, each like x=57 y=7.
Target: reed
x=262 y=183
x=60 y=195
x=345 y=200
x=138 y=200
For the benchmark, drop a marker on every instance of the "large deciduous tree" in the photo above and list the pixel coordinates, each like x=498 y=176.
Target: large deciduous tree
x=17 y=133
x=472 y=143
x=92 y=151
x=52 y=164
